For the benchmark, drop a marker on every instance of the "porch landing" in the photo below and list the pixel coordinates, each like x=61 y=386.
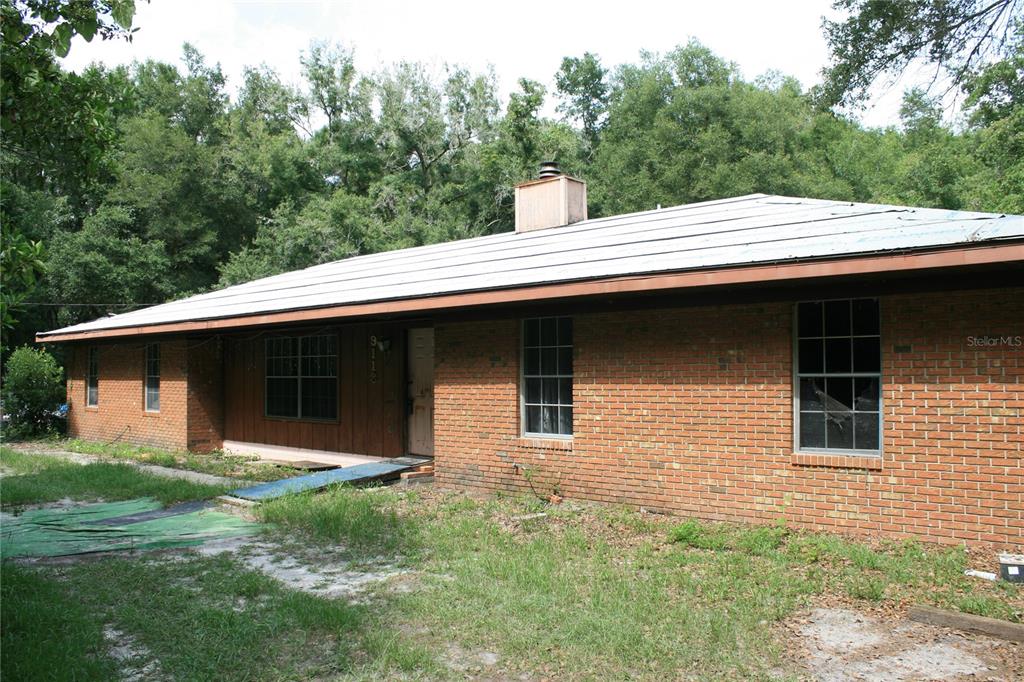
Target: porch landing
x=281 y=453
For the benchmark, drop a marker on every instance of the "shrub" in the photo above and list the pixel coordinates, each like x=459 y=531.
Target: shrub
x=33 y=392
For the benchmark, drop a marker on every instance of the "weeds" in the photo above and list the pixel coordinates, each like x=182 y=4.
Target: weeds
x=45 y=479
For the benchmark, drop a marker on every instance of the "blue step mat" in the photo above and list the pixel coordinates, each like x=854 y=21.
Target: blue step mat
x=322 y=479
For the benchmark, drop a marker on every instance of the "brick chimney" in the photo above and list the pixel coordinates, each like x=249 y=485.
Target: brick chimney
x=552 y=200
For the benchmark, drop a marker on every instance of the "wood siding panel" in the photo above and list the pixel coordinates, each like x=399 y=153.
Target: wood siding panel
x=370 y=415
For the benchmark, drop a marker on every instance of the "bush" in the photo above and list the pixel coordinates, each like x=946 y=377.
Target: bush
x=33 y=393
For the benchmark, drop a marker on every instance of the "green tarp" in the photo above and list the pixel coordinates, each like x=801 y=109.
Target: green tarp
x=114 y=526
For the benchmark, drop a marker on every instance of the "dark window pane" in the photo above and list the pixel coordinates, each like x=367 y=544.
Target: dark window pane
x=319 y=398
x=565 y=360
x=865 y=431
x=839 y=430
x=811 y=356
x=565 y=391
x=550 y=392
x=809 y=320
x=837 y=355
x=533 y=390
x=839 y=392
x=565 y=421
x=548 y=336
x=867 y=355
x=865 y=393
x=549 y=419
x=565 y=331
x=532 y=332
x=837 y=318
x=812 y=430
x=811 y=391
x=548 y=361
x=283 y=397
x=532 y=362
x=533 y=419
x=865 y=316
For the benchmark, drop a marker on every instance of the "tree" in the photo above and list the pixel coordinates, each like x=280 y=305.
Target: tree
x=581 y=83
x=883 y=37
x=33 y=389
x=22 y=264
x=54 y=126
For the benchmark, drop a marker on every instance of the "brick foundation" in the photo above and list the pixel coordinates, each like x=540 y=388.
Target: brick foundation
x=690 y=411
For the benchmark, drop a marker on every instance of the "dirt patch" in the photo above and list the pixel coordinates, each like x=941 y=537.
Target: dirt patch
x=135 y=660
x=324 y=577
x=842 y=644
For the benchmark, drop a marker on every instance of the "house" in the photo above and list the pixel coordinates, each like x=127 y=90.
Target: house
x=842 y=366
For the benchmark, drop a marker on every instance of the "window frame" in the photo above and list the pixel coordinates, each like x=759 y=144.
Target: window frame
x=147 y=376
x=299 y=377
x=523 y=432
x=797 y=375
x=92 y=377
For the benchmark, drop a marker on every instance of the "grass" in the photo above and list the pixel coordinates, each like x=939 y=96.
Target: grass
x=580 y=592
x=47 y=634
x=364 y=521
x=216 y=463
x=40 y=479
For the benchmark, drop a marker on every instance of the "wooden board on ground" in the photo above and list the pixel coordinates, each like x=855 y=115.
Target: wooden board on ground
x=965 y=621
x=305 y=465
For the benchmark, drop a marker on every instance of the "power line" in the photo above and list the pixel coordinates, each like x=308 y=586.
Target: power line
x=84 y=305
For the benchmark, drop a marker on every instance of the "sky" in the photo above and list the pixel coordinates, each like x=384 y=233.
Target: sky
x=522 y=39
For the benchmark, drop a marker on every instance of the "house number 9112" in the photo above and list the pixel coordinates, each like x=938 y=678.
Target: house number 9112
x=373 y=359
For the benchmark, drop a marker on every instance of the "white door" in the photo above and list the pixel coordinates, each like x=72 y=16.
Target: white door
x=421 y=391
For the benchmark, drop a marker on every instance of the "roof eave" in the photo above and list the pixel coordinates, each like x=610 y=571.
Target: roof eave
x=982 y=254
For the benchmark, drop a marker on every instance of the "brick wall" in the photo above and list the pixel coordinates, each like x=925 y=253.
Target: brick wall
x=689 y=411
x=120 y=414
x=205 y=395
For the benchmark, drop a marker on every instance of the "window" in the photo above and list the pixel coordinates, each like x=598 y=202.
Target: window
x=92 y=379
x=839 y=363
x=547 y=376
x=153 y=377
x=302 y=377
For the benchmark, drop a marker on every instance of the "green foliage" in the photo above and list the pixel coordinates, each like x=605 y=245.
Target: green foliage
x=32 y=391
x=879 y=37
x=22 y=263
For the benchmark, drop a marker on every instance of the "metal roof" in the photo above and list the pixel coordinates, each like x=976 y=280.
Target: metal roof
x=742 y=231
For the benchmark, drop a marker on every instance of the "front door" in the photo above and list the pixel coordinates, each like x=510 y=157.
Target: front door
x=421 y=392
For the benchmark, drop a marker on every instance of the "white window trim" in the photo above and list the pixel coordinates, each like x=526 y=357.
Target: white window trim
x=147 y=376
x=92 y=351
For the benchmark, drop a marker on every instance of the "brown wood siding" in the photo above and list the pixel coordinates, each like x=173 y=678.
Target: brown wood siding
x=370 y=412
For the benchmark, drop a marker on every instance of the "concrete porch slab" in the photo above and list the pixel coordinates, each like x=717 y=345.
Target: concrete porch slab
x=281 y=453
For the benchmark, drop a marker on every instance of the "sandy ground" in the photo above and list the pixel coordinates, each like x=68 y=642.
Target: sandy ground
x=323 y=576
x=843 y=645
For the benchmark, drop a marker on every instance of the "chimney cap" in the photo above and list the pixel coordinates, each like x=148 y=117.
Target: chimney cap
x=549 y=169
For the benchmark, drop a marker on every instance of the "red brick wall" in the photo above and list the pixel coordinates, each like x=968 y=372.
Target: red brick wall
x=120 y=415
x=205 y=395
x=690 y=411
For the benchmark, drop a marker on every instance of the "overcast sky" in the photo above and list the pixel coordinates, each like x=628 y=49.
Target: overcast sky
x=520 y=39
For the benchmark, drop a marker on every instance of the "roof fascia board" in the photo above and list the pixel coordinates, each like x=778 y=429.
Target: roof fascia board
x=980 y=255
